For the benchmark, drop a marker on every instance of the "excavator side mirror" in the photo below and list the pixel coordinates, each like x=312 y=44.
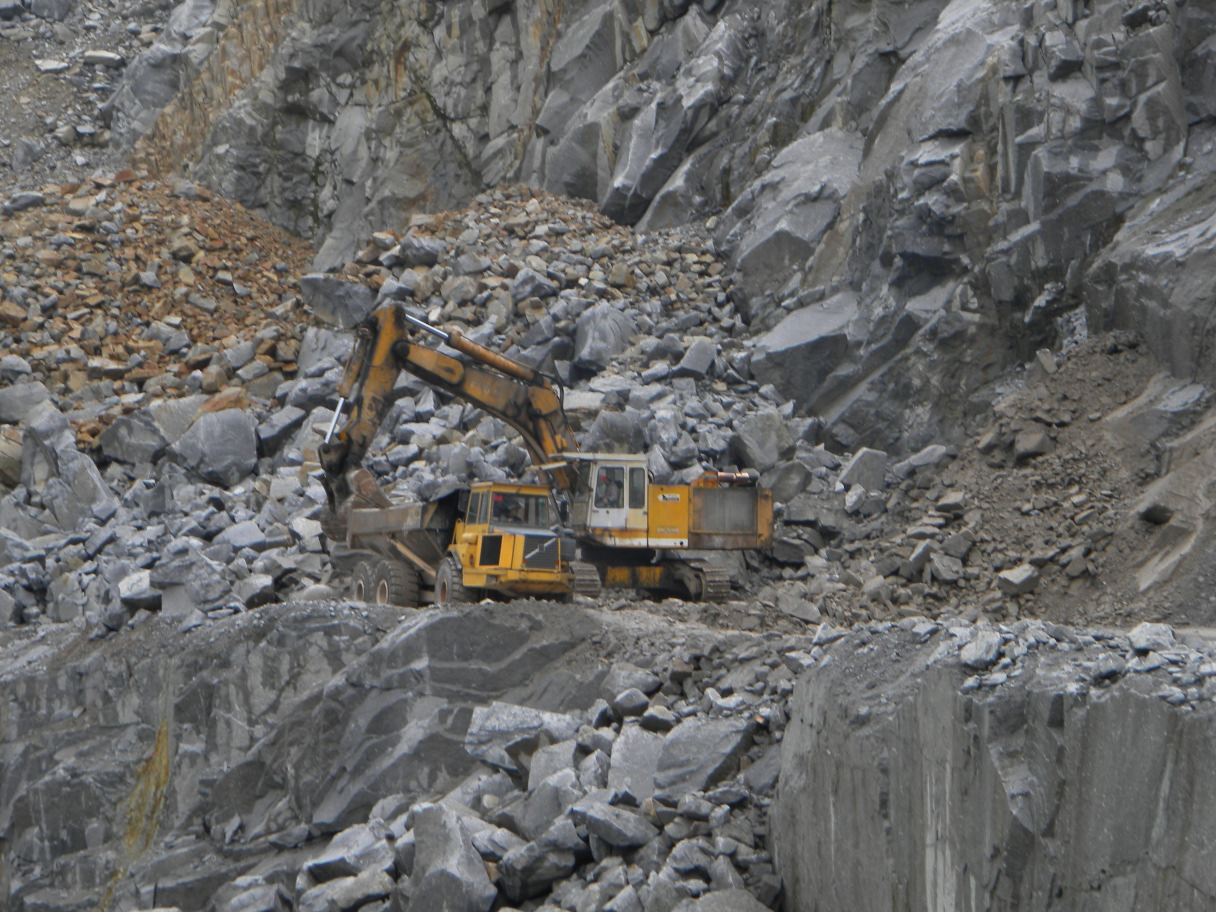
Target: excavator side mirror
x=563 y=512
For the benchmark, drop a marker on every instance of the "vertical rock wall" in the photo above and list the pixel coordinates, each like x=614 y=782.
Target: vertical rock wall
x=1060 y=778
x=964 y=174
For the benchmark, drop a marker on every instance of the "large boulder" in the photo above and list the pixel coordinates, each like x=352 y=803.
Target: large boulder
x=72 y=486
x=143 y=435
x=774 y=227
x=337 y=301
x=18 y=399
x=801 y=351
x=448 y=875
x=602 y=333
x=763 y=439
x=220 y=447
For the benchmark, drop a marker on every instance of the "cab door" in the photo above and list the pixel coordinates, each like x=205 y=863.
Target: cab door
x=619 y=504
x=608 y=504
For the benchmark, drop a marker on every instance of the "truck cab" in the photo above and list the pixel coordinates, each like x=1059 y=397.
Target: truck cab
x=505 y=540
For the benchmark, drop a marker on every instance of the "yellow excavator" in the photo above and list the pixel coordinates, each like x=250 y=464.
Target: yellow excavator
x=629 y=531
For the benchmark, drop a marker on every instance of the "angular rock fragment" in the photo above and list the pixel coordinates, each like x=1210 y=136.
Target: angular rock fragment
x=762 y=440
x=618 y=827
x=220 y=447
x=1018 y=581
x=530 y=871
x=497 y=730
x=699 y=753
x=1146 y=637
x=867 y=468
x=982 y=651
x=448 y=874
x=337 y=301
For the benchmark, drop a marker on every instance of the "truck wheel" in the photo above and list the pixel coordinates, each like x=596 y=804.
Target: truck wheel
x=396 y=584
x=363 y=581
x=449 y=583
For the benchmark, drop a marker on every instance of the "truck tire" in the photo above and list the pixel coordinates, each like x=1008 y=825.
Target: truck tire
x=363 y=581
x=449 y=583
x=396 y=584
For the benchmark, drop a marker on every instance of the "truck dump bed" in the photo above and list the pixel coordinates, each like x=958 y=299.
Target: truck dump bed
x=416 y=532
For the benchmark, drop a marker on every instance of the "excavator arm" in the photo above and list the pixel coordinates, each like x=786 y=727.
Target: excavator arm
x=519 y=395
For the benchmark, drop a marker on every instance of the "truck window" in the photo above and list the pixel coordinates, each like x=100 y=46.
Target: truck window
x=519 y=509
x=509 y=508
x=474 y=506
x=483 y=509
x=637 y=488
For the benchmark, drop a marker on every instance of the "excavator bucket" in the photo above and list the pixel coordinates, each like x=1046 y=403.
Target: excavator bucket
x=364 y=492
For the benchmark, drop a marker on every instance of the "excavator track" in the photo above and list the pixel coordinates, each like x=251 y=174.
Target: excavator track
x=585 y=580
x=716 y=585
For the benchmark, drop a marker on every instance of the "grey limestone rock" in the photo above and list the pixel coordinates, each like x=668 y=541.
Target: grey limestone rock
x=143 y=435
x=549 y=760
x=495 y=731
x=617 y=826
x=735 y=899
x=1146 y=637
x=22 y=200
x=322 y=348
x=867 y=468
x=339 y=302
x=1019 y=580
x=49 y=458
x=915 y=721
x=279 y=427
x=982 y=651
x=530 y=870
x=16 y=400
x=700 y=753
x=776 y=224
x=346 y=894
x=417 y=250
x=220 y=447
x=799 y=354
x=697 y=360
x=448 y=874
x=762 y=439
x=528 y=283
x=602 y=333
x=635 y=760
x=346 y=855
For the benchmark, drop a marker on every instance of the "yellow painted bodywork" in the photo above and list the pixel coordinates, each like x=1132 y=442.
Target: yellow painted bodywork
x=509 y=574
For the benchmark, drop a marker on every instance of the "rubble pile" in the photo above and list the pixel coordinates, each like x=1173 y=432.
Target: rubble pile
x=161 y=423
x=654 y=796
x=63 y=61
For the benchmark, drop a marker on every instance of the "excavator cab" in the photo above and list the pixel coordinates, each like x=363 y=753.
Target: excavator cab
x=616 y=504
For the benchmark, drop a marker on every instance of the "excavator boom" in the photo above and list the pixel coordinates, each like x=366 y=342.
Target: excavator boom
x=519 y=395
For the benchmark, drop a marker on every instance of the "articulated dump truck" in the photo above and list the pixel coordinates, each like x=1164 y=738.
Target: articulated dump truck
x=489 y=538
x=598 y=521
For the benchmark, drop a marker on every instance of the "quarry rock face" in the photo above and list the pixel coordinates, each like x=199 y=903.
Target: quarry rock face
x=997 y=785
x=897 y=188
x=324 y=756
x=939 y=272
